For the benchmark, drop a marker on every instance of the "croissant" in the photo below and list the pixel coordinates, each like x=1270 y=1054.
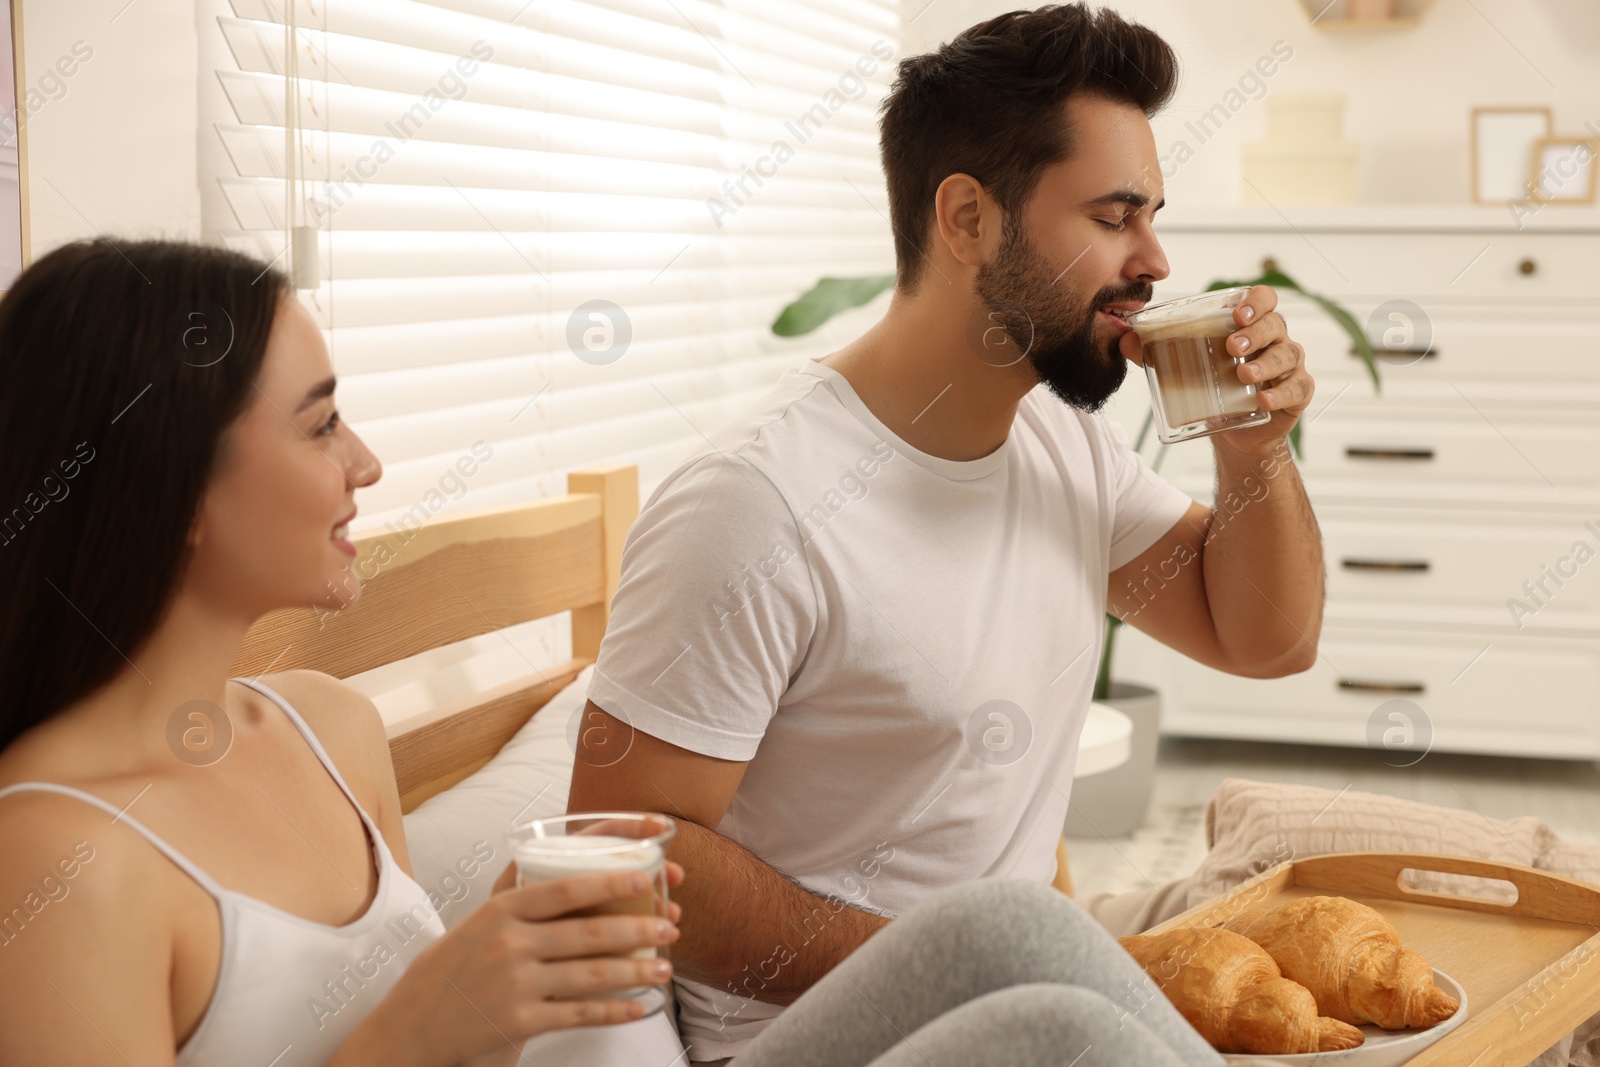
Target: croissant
x=1350 y=958
x=1232 y=993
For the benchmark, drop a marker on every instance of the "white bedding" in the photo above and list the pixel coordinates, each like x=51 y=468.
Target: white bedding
x=1249 y=826
x=449 y=834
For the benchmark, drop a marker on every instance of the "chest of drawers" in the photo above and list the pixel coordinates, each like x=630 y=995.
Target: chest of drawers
x=1460 y=505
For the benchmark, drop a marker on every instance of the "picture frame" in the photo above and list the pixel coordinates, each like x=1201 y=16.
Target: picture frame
x=1502 y=151
x=14 y=235
x=1565 y=170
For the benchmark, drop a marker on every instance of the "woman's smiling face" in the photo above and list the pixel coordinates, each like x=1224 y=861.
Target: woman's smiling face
x=272 y=530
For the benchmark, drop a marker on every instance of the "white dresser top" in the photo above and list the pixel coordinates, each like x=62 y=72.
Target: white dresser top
x=1378 y=218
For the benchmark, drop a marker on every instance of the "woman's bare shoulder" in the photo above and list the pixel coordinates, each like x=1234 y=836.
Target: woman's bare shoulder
x=59 y=847
x=77 y=886
x=44 y=830
x=344 y=719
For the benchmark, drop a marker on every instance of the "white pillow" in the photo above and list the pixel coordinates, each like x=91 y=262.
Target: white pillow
x=458 y=849
x=458 y=837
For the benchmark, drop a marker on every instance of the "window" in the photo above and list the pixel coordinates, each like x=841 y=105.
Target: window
x=549 y=233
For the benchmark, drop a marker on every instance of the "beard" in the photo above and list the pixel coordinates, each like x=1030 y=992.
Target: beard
x=1020 y=294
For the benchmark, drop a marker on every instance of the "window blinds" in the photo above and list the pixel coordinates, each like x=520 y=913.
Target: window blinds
x=555 y=230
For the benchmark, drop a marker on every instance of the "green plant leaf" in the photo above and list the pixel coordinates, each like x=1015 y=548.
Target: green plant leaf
x=1144 y=430
x=826 y=299
x=1358 y=337
x=1102 y=677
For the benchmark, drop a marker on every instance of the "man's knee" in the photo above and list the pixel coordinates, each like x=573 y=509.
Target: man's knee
x=1010 y=908
x=1055 y=1013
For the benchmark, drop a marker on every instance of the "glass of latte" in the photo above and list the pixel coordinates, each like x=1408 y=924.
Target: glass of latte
x=602 y=842
x=1194 y=379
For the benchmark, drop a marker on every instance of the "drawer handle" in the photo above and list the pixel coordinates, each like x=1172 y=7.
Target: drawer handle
x=1383 y=687
x=1387 y=565
x=1388 y=453
x=1527 y=267
x=1406 y=352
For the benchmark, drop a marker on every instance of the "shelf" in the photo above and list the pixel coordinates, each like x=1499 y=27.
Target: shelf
x=1376 y=218
x=1335 y=25
x=1331 y=15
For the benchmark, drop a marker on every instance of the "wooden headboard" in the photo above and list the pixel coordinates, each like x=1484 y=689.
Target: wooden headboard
x=429 y=584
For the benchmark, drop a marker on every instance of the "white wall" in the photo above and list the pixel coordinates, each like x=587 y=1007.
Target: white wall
x=10 y=182
x=1410 y=92
x=113 y=149
x=116 y=152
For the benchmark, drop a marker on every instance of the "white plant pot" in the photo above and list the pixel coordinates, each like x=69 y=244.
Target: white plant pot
x=1113 y=803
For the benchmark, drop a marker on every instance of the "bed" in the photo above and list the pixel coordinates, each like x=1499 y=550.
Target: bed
x=470 y=766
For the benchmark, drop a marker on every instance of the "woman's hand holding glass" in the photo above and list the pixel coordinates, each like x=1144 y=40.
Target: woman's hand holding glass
x=519 y=966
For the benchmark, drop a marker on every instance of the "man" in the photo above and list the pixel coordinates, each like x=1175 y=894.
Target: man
x=855 y=639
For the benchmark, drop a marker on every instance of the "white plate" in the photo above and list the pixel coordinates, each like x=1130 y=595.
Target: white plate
x=1382 y=1048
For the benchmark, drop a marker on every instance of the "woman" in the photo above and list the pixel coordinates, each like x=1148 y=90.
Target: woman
x=178 y=469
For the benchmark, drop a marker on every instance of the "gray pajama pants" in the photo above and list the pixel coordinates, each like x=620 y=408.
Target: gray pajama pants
x=990 y=972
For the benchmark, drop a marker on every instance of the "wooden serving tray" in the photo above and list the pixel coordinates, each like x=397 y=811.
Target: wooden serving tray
x=1531 y=969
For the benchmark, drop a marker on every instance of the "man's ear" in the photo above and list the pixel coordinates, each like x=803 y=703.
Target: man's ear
x=967 y=220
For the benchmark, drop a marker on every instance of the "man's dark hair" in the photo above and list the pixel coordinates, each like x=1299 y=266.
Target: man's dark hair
x=990 y=103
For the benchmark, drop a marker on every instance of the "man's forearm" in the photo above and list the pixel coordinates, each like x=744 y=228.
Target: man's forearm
x=750 y=931
x=1263 y=563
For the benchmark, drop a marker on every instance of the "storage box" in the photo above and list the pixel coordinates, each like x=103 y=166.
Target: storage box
x=1314 y=120
x=1305 y=158
x=1300 y=175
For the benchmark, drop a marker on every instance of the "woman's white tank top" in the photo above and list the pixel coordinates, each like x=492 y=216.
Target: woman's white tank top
x=290 y=991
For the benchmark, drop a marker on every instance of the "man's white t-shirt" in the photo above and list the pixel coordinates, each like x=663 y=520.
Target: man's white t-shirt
x=902 y=647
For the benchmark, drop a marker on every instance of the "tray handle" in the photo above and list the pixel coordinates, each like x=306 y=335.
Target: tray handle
x=1540 y=895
